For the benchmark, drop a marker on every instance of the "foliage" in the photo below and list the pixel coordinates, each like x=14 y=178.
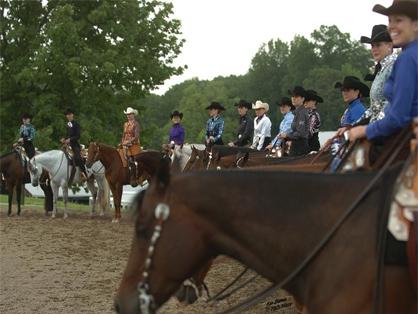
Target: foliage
x=97 y=57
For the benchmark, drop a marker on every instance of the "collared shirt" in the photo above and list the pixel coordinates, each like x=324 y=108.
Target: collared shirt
x=285 y=127
x=262 y=129
x=378 y=101
x=27 y=132
x=353 y=113
x=177 y=134
x=131 y=132
x=215 y=127
x=245 y=131
x=314 y=121
x=300 y=124
x=401 y=92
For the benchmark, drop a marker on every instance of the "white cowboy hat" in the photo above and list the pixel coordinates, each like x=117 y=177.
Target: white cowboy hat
x=130 y=110
x=261 y=105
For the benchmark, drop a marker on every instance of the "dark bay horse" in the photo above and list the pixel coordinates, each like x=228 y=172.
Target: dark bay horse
x=13 y=171
x=271 y=233
x=117 y=176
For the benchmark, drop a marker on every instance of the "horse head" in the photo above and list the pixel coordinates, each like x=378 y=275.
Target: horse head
x=34 y=172
x=93 y=154
x=195 y=161
x=149 y=278
x=241 y=159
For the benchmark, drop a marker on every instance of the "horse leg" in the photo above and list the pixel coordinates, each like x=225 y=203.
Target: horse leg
x=55 y=189
x=399 y=292
x=117 y=198
x=93 y=190
x=10 y=198
x=18 y=196
x=65 y=199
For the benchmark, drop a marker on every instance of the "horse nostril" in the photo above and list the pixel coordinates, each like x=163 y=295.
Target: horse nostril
x=116 y=306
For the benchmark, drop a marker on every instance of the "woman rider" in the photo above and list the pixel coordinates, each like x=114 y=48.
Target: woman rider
x=130 y=141
x=214 y=125
x=27 y=135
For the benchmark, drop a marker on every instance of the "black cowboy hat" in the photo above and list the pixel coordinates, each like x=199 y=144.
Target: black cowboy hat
x=401 y=7
x=215 y=105
x=379 y=34
x=313 y=95
x=27 y=116
x=352 y=82
x=286 y=101
x=297 y=91
x=243 y=103
x=176 y=113
x=69 y=111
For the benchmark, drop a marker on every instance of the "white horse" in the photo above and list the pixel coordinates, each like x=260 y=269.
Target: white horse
x=56 y=163
x=182 y=154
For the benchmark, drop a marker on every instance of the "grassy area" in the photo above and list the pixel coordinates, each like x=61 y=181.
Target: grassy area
x=39 y=202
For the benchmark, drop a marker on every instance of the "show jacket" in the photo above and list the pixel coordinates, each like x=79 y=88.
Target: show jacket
x=245 y=131
x=177 y=134
x=300 y=124
x=73 y=132
x=27 y=132
x=262 y=129
x=401 y=92
x=285 y=127
x=353 y=113
x=215 y=128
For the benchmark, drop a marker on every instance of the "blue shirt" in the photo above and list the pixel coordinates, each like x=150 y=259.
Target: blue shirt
x=27 y=132
x=354 y=111
x=401 y=92
x=285 y=127
x=215 y=127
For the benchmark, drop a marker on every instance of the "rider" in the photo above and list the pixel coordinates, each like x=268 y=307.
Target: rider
x=177 y=132
x=27 y=135
x=286 y=109
x=311 y=101
x=73 y=136
x=215 y=124
x=300 y=126
x=262 y=126
x=130 y=141
x=246 y=125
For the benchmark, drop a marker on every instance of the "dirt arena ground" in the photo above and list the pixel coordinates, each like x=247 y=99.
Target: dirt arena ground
x=75 y=265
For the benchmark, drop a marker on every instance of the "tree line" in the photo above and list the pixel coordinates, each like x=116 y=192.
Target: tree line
x=99 y=57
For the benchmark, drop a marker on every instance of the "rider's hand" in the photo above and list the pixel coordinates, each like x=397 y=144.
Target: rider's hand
x=230 y=144
x=341 y=131
x=269 y=147
x=357 y=132
x=20 y=140
x=282 y=135
x=67 y=141
x=211 y=138
x=416 y=127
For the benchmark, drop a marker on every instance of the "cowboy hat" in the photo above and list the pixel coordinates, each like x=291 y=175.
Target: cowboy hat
x=313 y=95
x=352 y=82
x=286 y=101
x=379 y=34
x=69 y=111
x=215 y=105
x=261 y=105
x=243 y=104
x=176 y=113
x=131 y=110
x=402 y=7
x=297 y=91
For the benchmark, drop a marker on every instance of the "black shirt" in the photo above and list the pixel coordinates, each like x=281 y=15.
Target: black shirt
x=245 y=131
x=73 y=132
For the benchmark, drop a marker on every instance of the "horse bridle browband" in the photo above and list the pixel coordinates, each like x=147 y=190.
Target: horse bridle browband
x=146 y=300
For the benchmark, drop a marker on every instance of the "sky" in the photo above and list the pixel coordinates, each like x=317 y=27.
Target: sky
x=222 y=36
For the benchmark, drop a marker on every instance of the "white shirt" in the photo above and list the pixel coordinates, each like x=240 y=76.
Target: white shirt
x=262 y=129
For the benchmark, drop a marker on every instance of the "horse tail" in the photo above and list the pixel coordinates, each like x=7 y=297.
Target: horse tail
x=105 y=200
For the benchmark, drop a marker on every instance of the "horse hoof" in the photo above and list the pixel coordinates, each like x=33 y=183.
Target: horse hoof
x=65 y=216
x=101 y=214
x=53 y=216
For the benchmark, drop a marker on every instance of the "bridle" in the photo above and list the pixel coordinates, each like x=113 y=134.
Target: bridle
x=96 y=154
x=146 y=300
x=237 y=163
x=210 y=159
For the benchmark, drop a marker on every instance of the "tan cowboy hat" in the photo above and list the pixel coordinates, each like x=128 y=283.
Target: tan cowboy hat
x=261 y=105
x=131 y=110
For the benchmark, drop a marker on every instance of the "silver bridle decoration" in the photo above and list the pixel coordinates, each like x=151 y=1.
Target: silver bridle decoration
x=210 y=160
x=146 y=300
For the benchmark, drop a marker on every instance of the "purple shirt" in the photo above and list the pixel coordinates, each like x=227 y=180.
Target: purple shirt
x=177 y=134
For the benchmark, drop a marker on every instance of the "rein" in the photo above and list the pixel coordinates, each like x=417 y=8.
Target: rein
x=269 y=290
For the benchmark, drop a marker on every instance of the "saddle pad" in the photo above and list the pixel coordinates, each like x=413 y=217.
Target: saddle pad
x=122 y=156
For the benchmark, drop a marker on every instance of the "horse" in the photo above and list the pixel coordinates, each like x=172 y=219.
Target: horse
x=116 y=174
x=59 y=168
x=182 y=153
x=13 y=171
x=272 y=233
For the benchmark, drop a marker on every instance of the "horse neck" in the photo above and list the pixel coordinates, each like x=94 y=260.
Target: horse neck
x=237 y=230
x=5 y=162
x=51 y=160
x=108 y=156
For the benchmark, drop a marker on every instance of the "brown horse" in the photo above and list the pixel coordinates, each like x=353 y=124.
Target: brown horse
x=271 y=233
x=13 y=171
x=116 y=174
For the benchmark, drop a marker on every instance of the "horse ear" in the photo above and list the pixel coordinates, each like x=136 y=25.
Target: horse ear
x=163 y=173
